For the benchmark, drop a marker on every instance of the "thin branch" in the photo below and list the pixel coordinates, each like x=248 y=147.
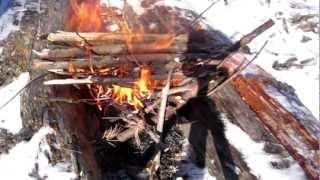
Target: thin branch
x=161 y=117
x=24 y=87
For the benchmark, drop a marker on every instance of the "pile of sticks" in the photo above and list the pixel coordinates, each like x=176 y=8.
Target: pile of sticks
x=99 y=51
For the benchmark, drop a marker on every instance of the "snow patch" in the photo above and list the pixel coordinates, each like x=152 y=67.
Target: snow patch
x=10 y=115
x=21 y=160
x=258 y=160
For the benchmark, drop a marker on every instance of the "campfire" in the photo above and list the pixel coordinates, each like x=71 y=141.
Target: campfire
x=135 y=79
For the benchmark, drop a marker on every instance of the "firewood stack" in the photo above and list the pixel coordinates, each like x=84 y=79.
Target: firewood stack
x=108 y=62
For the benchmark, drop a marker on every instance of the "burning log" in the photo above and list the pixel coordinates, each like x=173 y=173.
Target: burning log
x=107 y=61
x=97 y=38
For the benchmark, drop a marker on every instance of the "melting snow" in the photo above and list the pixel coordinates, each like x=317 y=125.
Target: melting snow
x=10 y=115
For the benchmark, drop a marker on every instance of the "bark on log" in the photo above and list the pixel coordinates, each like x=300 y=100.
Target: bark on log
x=114 y=49
x=107 y=61
x=99 y=38
x=298 y=136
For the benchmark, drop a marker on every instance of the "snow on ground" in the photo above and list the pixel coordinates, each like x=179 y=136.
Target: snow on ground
x=13 y=14
x=240 y=17
x=258 y=161
x=30 y=153
x=10 y=114
x=22 y=159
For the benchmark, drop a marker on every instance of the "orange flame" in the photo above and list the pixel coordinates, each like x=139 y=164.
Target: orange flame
x=133 y=95
x=143 y=84
x=126 y=95
x=85 y=16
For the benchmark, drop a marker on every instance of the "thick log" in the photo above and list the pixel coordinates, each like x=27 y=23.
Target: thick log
x=108 y=80
x=108 y=61
x=299 y=135
x=99 y=38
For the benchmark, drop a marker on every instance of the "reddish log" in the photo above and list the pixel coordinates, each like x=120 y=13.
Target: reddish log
x=298 y=136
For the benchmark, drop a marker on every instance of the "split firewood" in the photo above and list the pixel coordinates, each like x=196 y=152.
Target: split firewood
x=110 y=49
x=108 y=80
x=107 y=61
x=99 y=38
